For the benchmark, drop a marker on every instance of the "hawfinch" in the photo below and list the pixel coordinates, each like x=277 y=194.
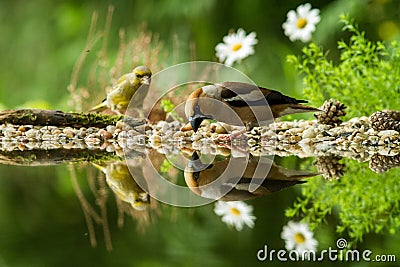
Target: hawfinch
x=235 y=179
x=124 y=90
x=238 y=103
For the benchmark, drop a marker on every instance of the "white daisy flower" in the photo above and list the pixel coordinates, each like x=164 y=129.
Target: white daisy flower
x=236 y=46
x=301 y=23
x=236 y=213
x=298 y=237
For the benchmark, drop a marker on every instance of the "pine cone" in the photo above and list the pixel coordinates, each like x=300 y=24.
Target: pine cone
x=385 y=120
x=380 y=163
x=330 y=167
x=332 y=110
x=393 y=113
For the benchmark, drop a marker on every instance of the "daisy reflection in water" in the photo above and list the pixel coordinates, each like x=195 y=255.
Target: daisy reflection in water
x=235 y=213
x=298 y=236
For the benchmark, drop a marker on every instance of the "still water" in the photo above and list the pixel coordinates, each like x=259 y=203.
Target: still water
x=68 y=207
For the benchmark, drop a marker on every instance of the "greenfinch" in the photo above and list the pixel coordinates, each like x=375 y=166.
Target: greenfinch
x=124 y=186
x=120 y=95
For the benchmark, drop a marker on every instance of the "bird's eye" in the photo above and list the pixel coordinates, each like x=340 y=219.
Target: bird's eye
x=196 y=108
x=140 y=75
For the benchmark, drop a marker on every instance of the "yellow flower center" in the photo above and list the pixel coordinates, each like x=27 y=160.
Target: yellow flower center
x=235 y=211
x=301 y=23
x=299 y=238
x=236 y=47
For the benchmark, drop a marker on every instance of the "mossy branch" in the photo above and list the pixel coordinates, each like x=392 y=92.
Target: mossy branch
x=60 y=118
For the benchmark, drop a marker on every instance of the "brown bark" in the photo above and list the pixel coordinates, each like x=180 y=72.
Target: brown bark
x=60 y=118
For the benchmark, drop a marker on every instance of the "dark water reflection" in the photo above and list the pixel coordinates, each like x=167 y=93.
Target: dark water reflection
x=272 y=182
x=189 y=178
x=224 y=178
x=236 y=179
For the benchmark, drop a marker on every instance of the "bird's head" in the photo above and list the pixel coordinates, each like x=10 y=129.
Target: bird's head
x=193 y=108
x=140 y=201
x=143 y=74
x=193 y=171
x=197 y=119
x=196 y=165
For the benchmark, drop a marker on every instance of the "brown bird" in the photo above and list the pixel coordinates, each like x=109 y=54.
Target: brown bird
x=238 y=103
x=241 y=178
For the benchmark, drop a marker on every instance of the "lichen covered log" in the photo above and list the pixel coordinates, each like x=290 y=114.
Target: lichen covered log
x=60 y=118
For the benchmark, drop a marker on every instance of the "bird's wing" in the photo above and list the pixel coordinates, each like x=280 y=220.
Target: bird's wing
x=243 y=94
x=276 y=98
x=263 y=167
x=271 y=185
x=242 y=191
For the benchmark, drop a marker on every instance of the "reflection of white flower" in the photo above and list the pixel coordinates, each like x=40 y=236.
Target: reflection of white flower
x=298 y=237
x=236 y=213
x=301 y=23
x=236 y=46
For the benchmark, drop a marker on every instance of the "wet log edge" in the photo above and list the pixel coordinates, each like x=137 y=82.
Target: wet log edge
x=60 y=156
x=60 y=118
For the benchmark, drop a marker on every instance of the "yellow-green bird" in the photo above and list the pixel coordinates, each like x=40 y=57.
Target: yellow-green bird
x=121 y=93
x=124 y=186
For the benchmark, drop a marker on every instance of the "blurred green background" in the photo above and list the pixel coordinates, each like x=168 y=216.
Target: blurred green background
x=41 y=220
x=40 y=41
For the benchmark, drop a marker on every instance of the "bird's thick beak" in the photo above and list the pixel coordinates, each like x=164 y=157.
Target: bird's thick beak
x=141 y=202
x=197 y=119
x=196 y=165
x=145 y=80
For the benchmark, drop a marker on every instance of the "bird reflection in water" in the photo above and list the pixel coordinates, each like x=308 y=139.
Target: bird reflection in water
x=121 y=182
x=242 y=178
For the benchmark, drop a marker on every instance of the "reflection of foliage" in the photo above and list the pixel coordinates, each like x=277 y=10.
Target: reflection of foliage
x=130 y=199
x=367 y=202
x=92 y=216
x=169 y=107
x=166 y=166
x=366 y=79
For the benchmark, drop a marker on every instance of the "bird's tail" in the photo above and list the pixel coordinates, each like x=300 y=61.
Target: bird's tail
x=297 y=108
x=281 y=173
x=301 y=101
x=99 y=167
x=100 y=107
x=296 y=174
x=278 y=185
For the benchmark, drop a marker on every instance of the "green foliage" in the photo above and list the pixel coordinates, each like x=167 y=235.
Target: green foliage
x=169 y=108
x=366 y=79
x=366 y=202
x=166 y=166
